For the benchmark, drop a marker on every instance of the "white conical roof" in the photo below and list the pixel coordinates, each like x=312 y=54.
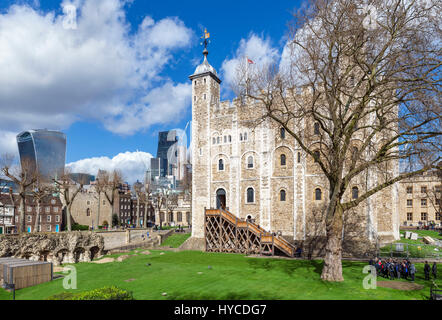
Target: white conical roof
x=205 y=66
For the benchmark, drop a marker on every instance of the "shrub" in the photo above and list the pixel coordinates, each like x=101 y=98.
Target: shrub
x=106 y=293
x=79 y=227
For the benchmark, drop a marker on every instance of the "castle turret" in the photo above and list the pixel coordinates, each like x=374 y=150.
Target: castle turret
x=205 y=96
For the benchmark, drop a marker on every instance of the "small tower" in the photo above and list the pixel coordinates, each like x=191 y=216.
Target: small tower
x=205 y=97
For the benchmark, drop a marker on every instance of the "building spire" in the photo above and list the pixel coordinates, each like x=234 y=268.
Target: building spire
x=205 y=42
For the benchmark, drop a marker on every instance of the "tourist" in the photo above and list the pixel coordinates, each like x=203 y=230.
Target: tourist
x=427 y=270
x=434 y=269
x=412 y=272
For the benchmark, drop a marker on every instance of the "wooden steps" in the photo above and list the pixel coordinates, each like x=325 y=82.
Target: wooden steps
x=224 y=232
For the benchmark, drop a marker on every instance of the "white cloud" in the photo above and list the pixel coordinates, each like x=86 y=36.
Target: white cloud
x=257 y=49
x=133 y=165
x=52 y=76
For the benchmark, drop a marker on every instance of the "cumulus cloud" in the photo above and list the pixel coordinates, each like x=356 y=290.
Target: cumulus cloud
x=53 y=76
x=133 y=165
x=256 y=48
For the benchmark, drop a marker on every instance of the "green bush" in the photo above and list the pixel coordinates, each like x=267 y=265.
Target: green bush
x=79 y=227
x=106 y=293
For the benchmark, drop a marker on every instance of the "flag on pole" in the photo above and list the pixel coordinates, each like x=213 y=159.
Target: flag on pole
x=250 y=61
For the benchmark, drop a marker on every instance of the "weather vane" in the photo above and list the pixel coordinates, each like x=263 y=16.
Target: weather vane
x=206 y=36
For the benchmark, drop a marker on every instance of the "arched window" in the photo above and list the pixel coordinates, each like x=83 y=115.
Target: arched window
x=283 y=160
x=220 y=165
x=218 y=140
x=240 y=137
x=250 y=195
x=316 y=156
x=230 y=138
x=316 y=128
x=245 y=136
x=299 y=157
x=225 y=139
x=355 y=192
x=250 y=162
x=282 y=195
x=88 y=212
x=282 y=133
x=318 y=194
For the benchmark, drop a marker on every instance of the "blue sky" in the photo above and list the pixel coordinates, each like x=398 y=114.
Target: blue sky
x=255 y=28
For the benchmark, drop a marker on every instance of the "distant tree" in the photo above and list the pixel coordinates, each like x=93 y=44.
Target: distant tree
x=24 y=176
x=69 y=190
x=115 y=220
x=109 y=183
x=138 y=190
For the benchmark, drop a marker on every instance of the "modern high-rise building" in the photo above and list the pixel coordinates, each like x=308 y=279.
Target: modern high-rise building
x=45 y=150
x=166 y=140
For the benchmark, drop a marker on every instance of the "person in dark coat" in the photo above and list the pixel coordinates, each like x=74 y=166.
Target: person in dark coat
x=434 y=270
x=412 y=271
x=427 y=270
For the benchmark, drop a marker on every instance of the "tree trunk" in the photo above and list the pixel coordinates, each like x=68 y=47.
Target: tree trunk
x=332 y=270
x=138 y=212
x=98 y=211
x=68 y=217
x=37 y=218
x=21 y=224
x=145 y=216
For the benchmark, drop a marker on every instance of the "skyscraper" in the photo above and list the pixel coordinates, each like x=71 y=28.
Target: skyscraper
x=166 y=140
x=45 y=149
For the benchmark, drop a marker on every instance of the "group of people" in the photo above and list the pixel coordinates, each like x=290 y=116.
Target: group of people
x=396 y=269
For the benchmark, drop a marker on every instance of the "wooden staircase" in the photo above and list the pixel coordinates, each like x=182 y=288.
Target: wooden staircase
x=224 y=232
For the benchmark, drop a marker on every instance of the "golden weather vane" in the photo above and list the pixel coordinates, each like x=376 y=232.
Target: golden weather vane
x=206 y=36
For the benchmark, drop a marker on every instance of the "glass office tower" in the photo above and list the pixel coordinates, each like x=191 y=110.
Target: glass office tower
x=45 y=149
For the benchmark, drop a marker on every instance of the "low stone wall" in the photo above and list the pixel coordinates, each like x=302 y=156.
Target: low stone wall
x=58 y=248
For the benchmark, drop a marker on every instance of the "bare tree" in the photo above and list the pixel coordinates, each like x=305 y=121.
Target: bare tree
x=109 y=184
x=159 y=200
x=148 y=198
x=138 y=190
x=359 y=92
x=69 y=190
x=24 y=176
x=40 y=190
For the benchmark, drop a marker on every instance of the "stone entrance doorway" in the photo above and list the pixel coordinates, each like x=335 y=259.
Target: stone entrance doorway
x=221 y=199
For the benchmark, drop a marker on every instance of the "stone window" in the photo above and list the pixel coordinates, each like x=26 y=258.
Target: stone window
x=48 y=227
x=104 y=202
x=48 y=209
x=250 y=195
x=299 y=157
x=282 y=195
x=423 y=216
x=423 y=189
x=409 y=189
x=88 y=212
x=409 y=202
x=214 y=140
x=355 y=192
x=438 y=215
x=245 y=136
x=221 y=165
x=283 y=160
x=218 y=140
x=250 y=162
x=282 y=133
x=29 y=218
x=57 y=218
x=230 y=138
x=170 y=216
x=179 y=217
x=316 y=128
x=204 y=80
x=55 y=209
x=204 y=96
x=225 y=139
x=240 y=137
x=318 y=194
x=410 y=216
x=423 y=202
x=48 y=218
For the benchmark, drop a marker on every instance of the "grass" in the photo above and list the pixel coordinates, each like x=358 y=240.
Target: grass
x=186 y=275
x=175 y=240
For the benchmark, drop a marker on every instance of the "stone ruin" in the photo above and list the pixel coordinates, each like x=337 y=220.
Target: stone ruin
x=58 y=248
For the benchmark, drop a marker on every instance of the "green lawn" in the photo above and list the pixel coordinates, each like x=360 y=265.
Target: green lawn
x=175 y=240
x=186 y=275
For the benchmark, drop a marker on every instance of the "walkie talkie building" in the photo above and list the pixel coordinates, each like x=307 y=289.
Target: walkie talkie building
x=45 y=149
